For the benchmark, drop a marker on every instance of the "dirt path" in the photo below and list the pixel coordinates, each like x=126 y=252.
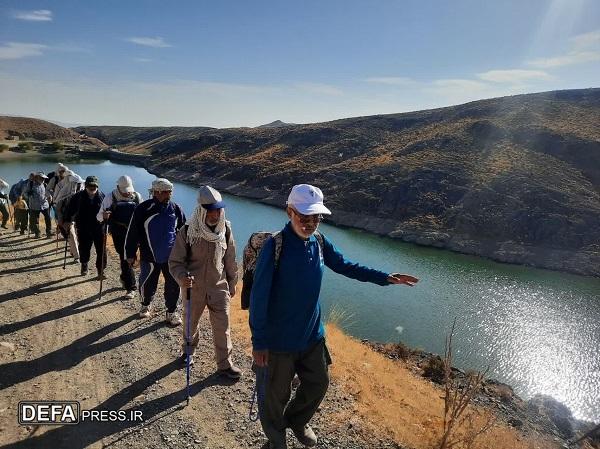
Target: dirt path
x=61 y=342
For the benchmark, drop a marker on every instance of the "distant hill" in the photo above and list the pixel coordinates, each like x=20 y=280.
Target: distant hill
x=31 y=128
x=516 y=178
x=26 y=128
x=276 y=124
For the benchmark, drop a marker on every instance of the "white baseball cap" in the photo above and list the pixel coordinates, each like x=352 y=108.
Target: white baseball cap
x=125 y=184
x=307 y=199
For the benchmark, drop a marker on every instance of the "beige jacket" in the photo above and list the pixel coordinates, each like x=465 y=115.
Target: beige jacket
x=207 y=280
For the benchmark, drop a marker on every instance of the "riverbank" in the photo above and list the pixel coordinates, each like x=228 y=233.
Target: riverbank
x=60 y=341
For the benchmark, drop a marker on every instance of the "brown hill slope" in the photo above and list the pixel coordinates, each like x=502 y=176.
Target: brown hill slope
x=515 y=178
x=31 y=128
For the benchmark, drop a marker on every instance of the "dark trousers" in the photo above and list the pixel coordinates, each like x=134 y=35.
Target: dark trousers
x=127 y=273
x=4 y=212
x=149 y=273
x=277 y=411
x=86 y=240
x=21 y=218
x=34 y=221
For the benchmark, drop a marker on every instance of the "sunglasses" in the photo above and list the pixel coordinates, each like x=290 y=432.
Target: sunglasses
x=305 y=219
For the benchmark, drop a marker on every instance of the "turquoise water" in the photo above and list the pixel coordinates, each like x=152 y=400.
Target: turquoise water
x=537 y=330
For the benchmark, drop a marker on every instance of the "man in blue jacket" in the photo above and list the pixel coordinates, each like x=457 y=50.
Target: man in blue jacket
x=285 y=317
x=153 y=229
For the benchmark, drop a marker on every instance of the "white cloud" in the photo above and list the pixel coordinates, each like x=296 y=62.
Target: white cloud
x=391 y=80
x=156 y=42
x=19 y=50
x=514 y=76
x=585 y=48
x=142 y=59
x=38 y=15
x=586 y=40
x=571 y=58
x=319 y=89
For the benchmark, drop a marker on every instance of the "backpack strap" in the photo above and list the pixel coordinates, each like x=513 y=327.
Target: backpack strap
x=278 y=238
x=319 y=238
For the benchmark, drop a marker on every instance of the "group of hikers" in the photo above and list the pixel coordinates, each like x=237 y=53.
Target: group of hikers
x=198 y=257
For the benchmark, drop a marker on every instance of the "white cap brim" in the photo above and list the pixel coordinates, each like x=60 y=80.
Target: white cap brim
x=126 y=189
x=311 y=208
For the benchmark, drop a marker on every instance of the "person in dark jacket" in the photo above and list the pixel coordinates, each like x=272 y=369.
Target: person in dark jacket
x=288 y=337
x=4 y=203
x=83 y=207
x=153 y=229
x=117 y=210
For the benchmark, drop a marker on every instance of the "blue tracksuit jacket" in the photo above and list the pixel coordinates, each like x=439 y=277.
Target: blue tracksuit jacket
x=285 y=314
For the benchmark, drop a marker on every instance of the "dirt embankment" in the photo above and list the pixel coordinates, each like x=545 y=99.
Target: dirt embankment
x=60 y=341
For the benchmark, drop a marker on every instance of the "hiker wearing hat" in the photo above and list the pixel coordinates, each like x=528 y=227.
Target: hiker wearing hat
x=38 y=203
x=83 y=206
x=63 y=191
x=153 y=229
x=117 y=210
x=285 y=316
x=205 y=248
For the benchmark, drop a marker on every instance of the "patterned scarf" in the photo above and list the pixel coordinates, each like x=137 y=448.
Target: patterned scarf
x=198 y=229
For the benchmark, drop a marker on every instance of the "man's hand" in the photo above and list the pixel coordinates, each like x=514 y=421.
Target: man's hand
x=187 y=282
x=406 y=279
x=261 y=358
x=106 y=214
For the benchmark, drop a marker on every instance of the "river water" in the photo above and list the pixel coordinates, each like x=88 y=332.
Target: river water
x=537 y=330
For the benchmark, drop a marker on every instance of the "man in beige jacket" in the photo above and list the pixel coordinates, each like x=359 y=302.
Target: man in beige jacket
x=205 y=248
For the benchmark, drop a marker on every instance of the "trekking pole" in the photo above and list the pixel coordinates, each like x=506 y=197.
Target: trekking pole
x=103 y=258
x=66 y=245
x=188 y=340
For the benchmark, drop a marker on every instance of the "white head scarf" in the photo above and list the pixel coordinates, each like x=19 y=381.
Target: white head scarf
x=198 y=229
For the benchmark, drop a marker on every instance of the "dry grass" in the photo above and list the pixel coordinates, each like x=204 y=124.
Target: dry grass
x=390 y=401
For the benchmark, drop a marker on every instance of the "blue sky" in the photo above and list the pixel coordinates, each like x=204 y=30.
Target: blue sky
x=245 y=63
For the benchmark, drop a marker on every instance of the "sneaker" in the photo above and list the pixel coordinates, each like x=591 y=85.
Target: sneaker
x=183 y=359
x=145 y=311
x=130 y=294
x=84 y=269
x=4 y=226
x=172 y=319
x=305 y=435
x=233 y=372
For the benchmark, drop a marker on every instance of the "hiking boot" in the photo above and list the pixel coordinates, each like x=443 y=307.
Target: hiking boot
x=101 y=276
x=130 y=294
x=172 y=319
x=145 y=311
x=305 y=435
x=233 y=372
x=183 y=359
x=84 y=269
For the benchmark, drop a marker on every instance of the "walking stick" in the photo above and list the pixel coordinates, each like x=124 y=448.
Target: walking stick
x=103 y=258
x=188 y=340
x=66 y=245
